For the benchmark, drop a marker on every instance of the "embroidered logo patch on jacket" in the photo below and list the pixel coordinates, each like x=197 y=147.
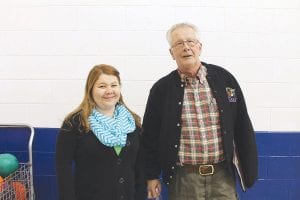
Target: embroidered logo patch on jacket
x=231 y=94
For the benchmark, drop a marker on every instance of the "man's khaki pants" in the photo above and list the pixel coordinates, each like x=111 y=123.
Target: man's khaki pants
x=193 y=186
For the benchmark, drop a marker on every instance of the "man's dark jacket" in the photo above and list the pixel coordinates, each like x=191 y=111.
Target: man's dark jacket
x=162 y=124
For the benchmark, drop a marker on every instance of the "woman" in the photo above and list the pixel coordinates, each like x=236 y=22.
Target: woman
x=98 y=153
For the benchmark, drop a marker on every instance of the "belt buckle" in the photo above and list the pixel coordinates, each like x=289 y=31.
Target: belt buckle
x=203 y=170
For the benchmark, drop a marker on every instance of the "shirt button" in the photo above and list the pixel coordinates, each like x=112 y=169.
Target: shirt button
x=179 y=103
x=167 y=183
x=181 y=85
x=221 y=110
x=175 y=146
x=171 y=177
x=119 y=161
x=178 y=124
x=172 y=167
x=121 y=180
x=225 y=132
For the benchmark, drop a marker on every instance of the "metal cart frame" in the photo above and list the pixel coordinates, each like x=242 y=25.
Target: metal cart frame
x=23 y=166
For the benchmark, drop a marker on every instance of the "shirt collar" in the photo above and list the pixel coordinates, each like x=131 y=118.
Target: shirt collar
x=200 y=76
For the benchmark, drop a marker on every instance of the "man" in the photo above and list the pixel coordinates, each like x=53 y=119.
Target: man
x=197 y=131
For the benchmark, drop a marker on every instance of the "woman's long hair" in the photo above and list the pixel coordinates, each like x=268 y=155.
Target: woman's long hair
x=88 y=103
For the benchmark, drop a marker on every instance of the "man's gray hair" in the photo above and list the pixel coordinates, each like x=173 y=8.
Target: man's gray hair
x=181 y=25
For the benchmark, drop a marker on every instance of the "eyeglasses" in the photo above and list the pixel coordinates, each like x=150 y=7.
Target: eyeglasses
x=180 y=44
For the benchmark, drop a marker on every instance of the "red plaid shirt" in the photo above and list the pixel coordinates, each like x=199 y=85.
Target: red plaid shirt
x=200 y=141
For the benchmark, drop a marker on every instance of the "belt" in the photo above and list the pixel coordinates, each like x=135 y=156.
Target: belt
x=204 y=170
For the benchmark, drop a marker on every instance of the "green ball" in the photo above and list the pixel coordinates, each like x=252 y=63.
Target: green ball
x=8 y=164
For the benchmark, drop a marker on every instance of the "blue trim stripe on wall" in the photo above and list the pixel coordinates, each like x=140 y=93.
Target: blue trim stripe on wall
x=279 y=163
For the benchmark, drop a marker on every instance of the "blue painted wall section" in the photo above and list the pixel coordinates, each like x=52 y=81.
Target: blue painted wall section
x=279 y=167
x=279 y=163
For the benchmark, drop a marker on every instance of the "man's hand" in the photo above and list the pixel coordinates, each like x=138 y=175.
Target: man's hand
x=154 y=188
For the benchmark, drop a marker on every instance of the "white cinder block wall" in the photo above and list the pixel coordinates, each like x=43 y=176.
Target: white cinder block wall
x=47 y=48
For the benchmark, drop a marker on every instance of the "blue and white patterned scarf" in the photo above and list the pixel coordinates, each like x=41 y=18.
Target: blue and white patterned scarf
x=112 y=131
